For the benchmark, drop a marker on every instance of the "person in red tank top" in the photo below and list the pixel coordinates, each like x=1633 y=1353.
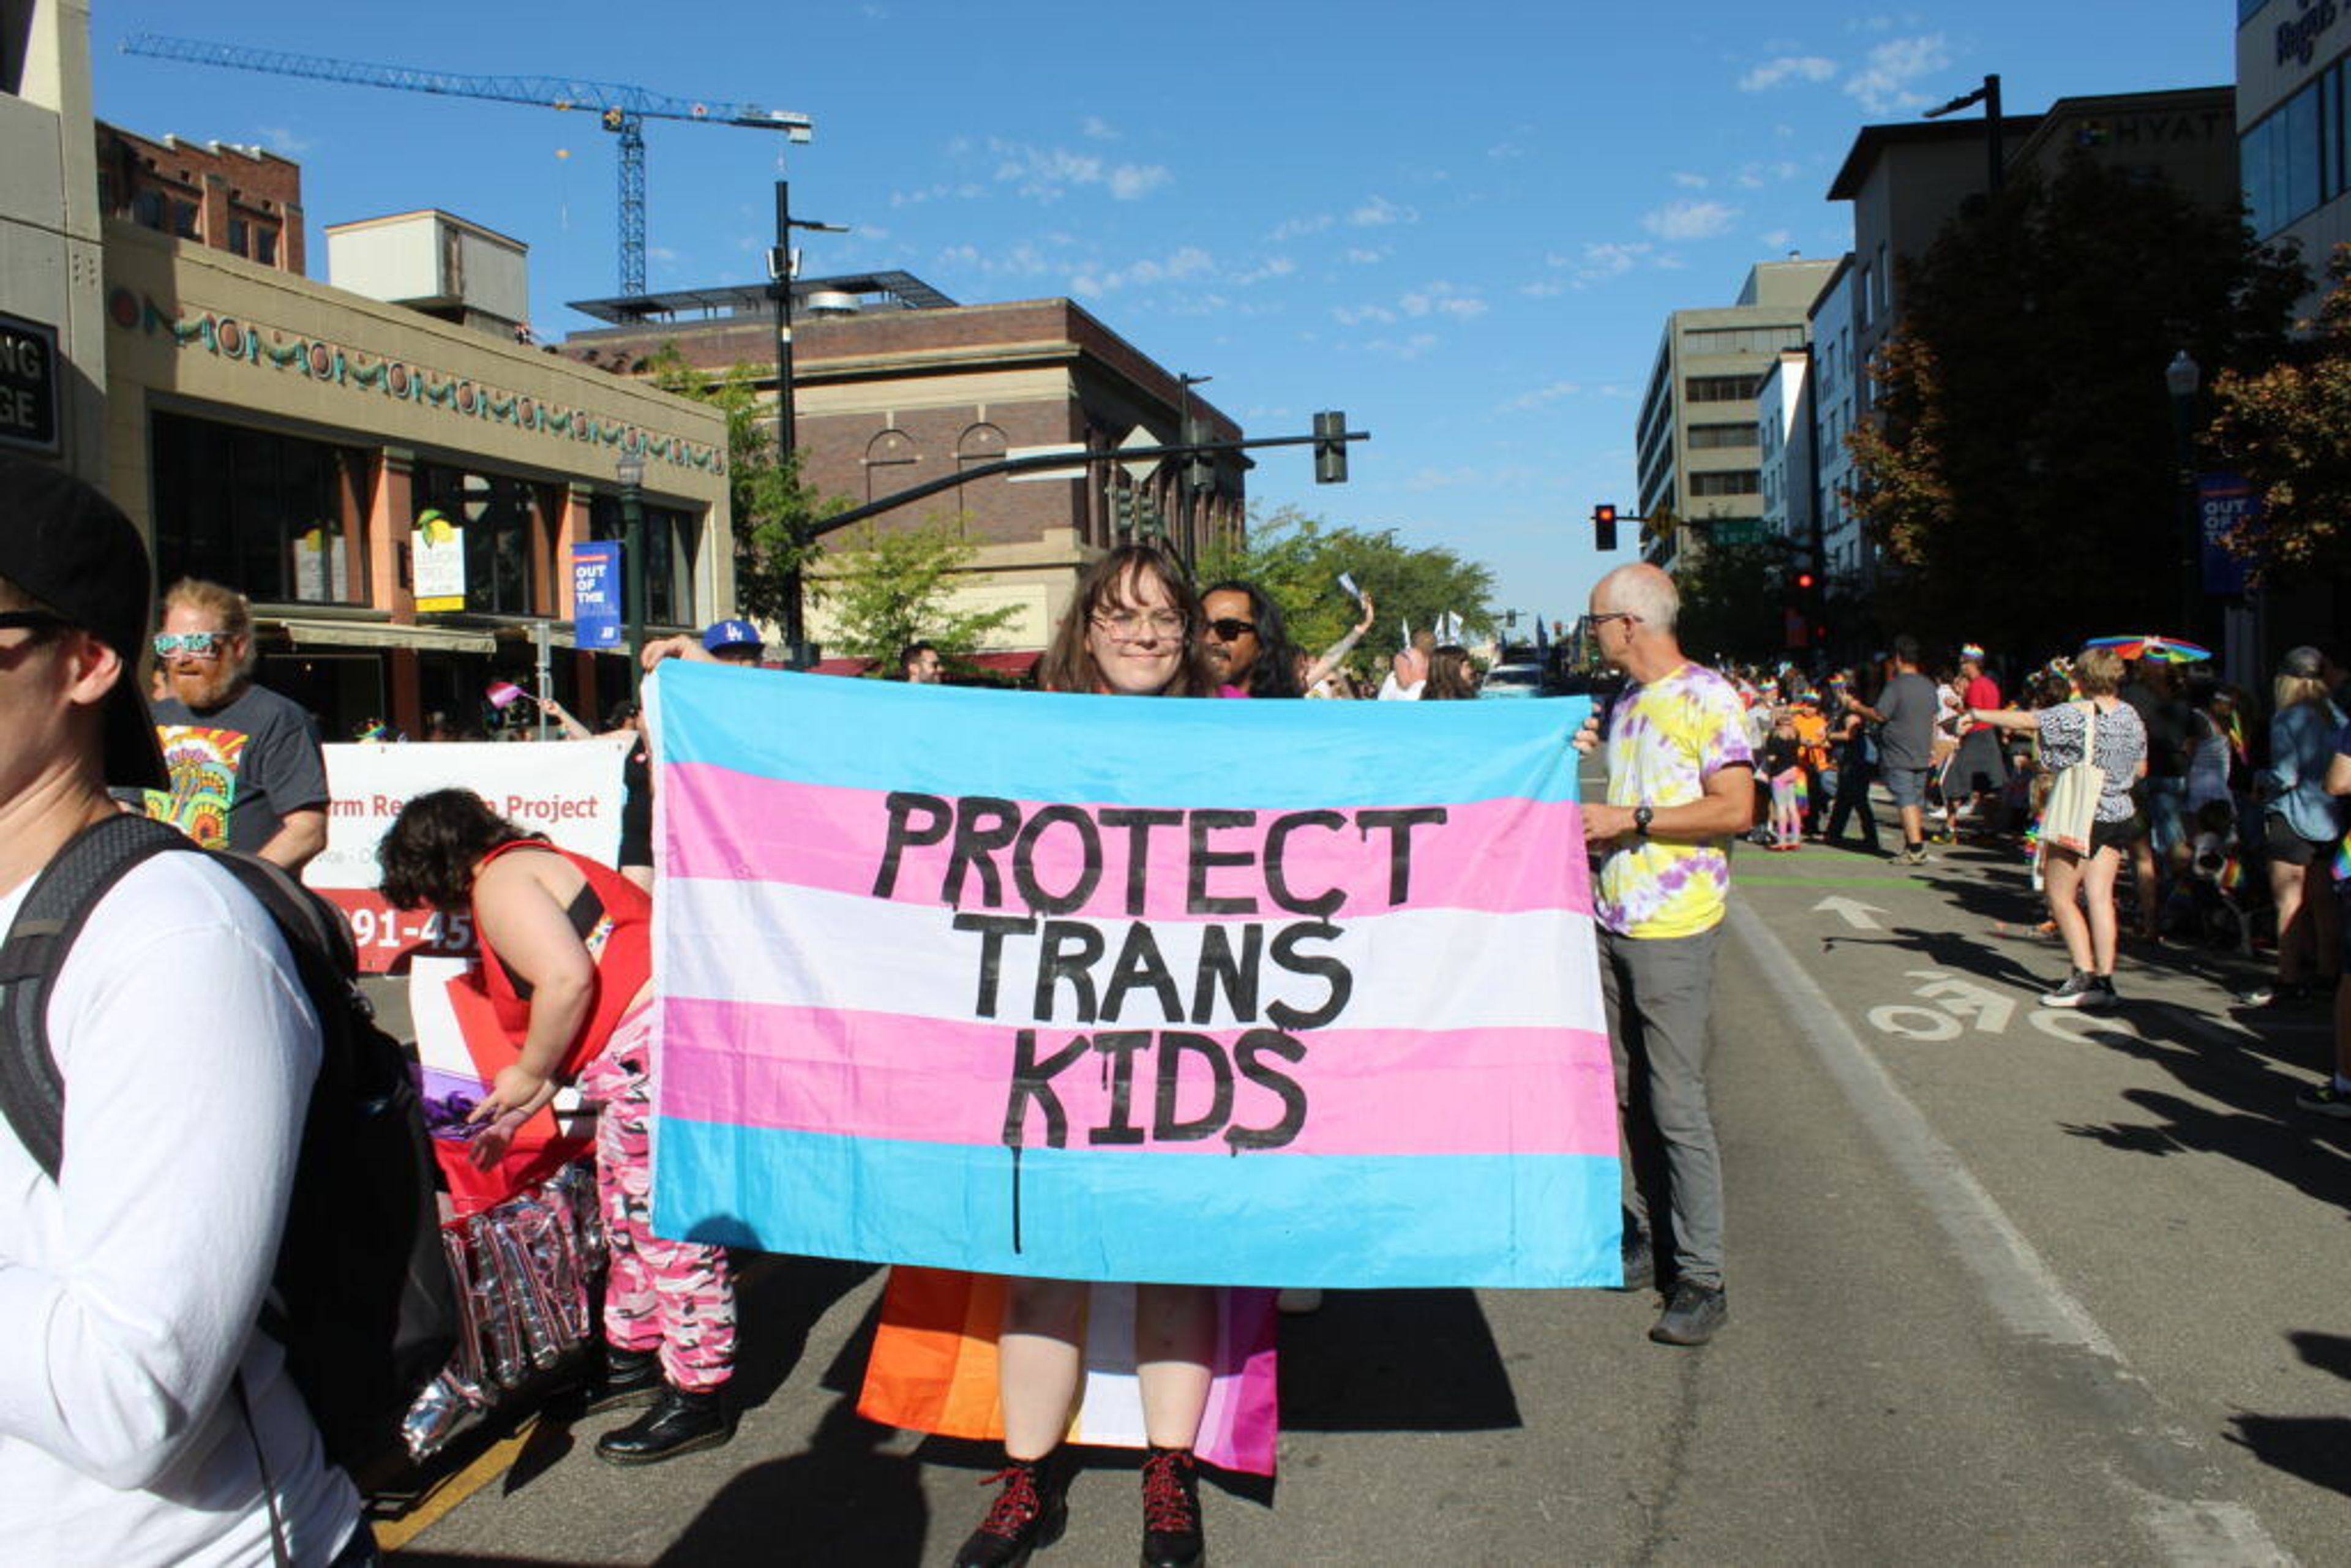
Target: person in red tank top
x=567 y=959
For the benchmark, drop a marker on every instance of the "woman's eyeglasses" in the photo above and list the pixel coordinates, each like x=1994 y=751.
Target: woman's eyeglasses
x=195 y=644
x=1230 y=630
x=1127 y=626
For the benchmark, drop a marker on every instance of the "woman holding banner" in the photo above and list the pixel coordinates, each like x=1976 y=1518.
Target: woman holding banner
x=567 y=959
x=1134 y=629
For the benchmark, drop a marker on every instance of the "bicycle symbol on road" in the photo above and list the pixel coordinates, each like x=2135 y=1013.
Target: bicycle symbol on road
x=1948 y=1005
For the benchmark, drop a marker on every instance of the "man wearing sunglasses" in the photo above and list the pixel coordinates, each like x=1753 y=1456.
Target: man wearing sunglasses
x=1247 y=643
x=144 y=1415
x=247 y=773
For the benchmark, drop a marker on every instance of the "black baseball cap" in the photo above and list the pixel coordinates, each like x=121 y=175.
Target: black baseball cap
x=72 y=549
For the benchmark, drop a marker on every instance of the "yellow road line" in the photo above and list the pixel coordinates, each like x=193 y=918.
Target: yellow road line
x=495 y=1461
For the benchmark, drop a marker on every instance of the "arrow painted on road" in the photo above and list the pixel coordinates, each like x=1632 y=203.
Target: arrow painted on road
x=1856 y=913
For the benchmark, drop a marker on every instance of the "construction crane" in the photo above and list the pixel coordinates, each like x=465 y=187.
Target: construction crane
x=621 y=109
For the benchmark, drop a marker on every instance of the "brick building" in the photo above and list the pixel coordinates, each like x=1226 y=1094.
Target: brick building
x=895 y=385
x=246 y=201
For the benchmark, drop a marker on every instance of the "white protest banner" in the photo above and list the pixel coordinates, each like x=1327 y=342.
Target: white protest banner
x=569 y=790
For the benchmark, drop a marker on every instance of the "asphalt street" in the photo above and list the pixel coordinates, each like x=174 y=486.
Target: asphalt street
x=2006 y=1285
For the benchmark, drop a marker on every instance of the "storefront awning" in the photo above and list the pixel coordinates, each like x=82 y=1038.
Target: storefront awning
x=385 y=634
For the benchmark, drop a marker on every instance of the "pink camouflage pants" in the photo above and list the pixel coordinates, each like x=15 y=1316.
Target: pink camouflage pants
x=675 y=1297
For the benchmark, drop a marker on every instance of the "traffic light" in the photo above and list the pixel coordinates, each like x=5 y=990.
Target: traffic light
x=1200 y=468
x=1121 y=510
x=1805 y=581
x=1603 y=527
x=1330 y=452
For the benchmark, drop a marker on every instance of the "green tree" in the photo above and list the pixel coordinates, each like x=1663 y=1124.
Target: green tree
x=1734 y=599
x=2023 y=467
x=896 y=586
x=775 y=512
x=1297 y=560
x=2286 y=427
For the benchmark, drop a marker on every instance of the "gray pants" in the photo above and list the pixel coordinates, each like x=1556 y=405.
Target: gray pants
x=1660 y=998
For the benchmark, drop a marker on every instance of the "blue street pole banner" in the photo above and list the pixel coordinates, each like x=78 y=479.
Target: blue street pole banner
x=2222 y=502
x=596 y=594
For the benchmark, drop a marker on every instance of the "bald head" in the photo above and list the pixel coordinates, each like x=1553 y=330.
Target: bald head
x=1639 y=590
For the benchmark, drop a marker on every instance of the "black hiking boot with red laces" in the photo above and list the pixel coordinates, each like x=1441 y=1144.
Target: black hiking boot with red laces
x=1171 y=1511
x=1029 y=1512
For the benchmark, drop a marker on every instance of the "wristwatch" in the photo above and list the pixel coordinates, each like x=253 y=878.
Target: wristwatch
x=1641 y=815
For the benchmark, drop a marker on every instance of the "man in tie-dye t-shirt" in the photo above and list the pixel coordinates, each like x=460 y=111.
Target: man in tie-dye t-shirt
x=1681 y=785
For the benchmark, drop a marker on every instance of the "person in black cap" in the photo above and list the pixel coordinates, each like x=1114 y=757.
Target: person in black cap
x=144 y=1417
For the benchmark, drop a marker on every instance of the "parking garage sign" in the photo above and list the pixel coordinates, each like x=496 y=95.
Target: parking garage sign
x=28 y=385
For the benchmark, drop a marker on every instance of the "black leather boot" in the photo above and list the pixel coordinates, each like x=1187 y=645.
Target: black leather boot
x=1171 y=1511
x=679 y=1423
x=627 y=1378
x=1029 y=1512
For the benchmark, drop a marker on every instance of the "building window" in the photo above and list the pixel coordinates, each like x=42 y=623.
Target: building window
x=1722 y=389
x=1741 y=339
x=265 y=245
x=274 y=516
x=981 y=444
x=672 y=544
x=1736 y=482
x=886 y=454
x=183 y=219
x=147 y=209
x=1714 y=438
x=238 y=236
x=501 y=523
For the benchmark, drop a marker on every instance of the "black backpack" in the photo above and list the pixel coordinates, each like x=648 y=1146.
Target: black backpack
x=361 y=1296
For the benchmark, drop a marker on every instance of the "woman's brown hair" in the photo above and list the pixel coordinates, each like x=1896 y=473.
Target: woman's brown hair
x=1450 y=677
x=1069 y=664
x=2098 y=672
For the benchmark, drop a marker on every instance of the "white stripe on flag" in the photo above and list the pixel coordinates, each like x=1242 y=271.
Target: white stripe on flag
x=1413 y=969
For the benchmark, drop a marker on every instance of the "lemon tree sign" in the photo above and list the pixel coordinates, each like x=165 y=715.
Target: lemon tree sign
x=438 y=551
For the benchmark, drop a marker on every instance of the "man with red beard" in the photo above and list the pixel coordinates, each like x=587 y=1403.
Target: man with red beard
x=245 y=769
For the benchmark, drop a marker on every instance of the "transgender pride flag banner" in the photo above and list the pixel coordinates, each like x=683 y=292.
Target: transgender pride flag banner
x=1109 y=988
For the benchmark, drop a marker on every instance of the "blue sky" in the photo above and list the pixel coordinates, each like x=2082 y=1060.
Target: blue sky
x=1463 y=224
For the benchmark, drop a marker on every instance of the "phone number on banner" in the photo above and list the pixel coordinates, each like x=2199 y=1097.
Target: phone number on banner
x=384 y=936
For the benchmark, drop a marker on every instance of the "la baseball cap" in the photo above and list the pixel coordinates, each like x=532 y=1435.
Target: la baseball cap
x=730 y=635
x=72 y=549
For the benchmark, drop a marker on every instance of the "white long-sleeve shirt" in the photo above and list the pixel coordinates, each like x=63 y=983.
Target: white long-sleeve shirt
x=131 y=1288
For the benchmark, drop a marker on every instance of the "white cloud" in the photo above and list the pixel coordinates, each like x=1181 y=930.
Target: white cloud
x=1687 y=219
x=1503 y=151
x=1365 y=256
x=1541 y=396
x=1410 y=348
x=1787 y=69
x=968 y=190
x=1095 y=128
x=1442 y=298
x=1883 y=84
x=1542 y=288
x=1690 y=182
x=281 y=138
x=1188 y=263
x=1604 y=259
x=1298 y=229
x=1354 y=316
x=1777 y=239
x=1271 y=267
x=1379 y=212
x=1129 y=182
x=1048 y=173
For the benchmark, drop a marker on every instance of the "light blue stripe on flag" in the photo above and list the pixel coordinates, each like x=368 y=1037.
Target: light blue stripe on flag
x=1200 y=753
x=1489 y=1221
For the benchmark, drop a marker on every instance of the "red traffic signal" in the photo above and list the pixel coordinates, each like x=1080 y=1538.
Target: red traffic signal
x=1804 y=580
x=1603 y=526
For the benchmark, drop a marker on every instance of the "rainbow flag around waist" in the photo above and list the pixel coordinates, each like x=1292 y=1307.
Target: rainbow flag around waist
x=1240 y=993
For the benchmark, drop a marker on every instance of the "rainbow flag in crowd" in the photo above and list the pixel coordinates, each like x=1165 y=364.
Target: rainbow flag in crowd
x=505 y=694
x=1234 y=993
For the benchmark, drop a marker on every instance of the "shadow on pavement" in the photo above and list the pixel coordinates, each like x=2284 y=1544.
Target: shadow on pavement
x=1395 y=1361
x=843 y=1500
x=2317 y=1449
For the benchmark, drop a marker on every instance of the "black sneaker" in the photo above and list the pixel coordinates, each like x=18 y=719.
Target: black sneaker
x=1029 y=1512
x=1693 y=1316
x=2102 y=996
x=2325 y=1100
x=2078 y=990
x=1640 y=1263
x=1171 y=1511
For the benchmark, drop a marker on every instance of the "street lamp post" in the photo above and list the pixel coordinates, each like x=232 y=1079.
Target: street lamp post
x=2180 y=379
x=630 y=472
x=783 y=269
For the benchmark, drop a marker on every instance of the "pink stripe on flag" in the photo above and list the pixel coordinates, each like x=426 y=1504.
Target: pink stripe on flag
x=731 y=826
x=883 y=1075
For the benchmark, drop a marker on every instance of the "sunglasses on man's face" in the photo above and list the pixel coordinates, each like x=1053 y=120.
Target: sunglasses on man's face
x=195 y=644
x=1230 y=630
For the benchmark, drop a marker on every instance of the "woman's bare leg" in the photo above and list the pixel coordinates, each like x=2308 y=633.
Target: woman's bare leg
x=1174 y=1339
x=1038 y=1360
x=2061 y=877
